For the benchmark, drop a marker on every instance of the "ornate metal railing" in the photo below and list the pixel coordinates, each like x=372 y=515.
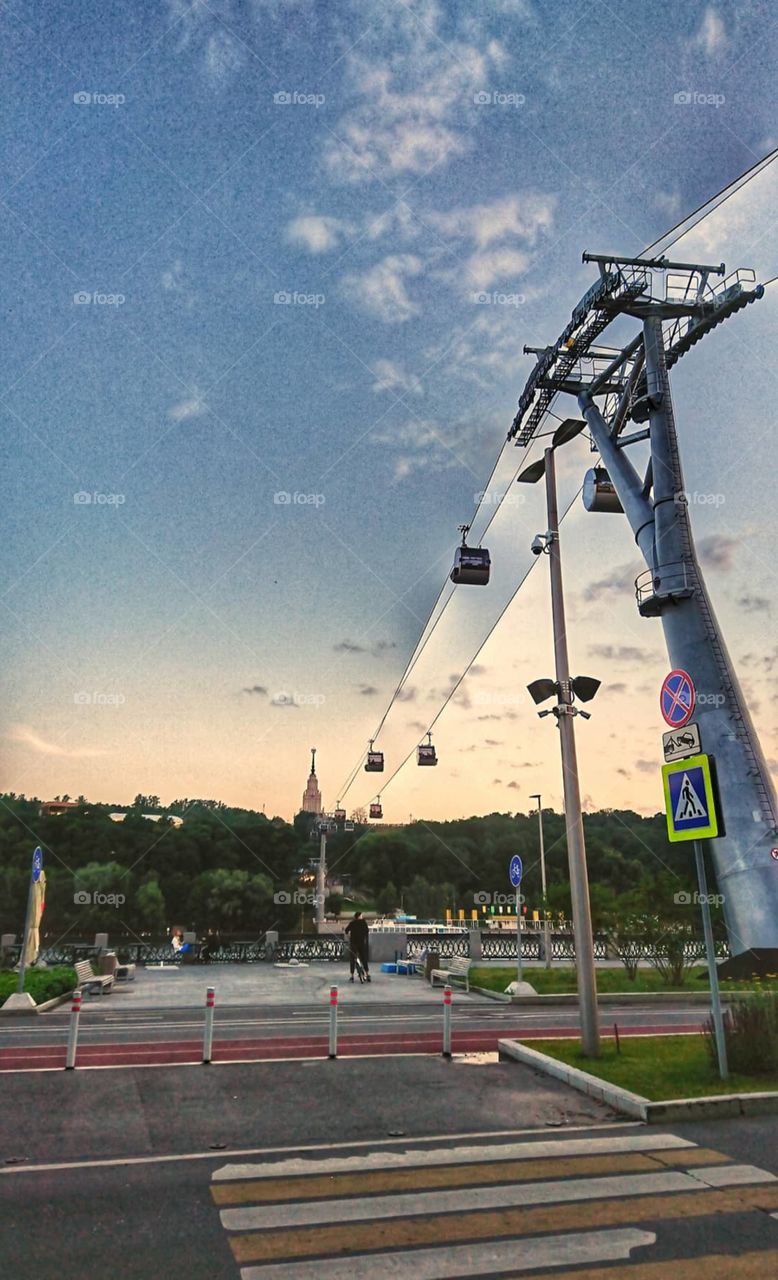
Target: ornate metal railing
x=447 y=945
x=502 y=946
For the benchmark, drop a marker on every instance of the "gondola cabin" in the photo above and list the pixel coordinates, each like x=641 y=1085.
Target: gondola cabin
x=374 y=762
x=376 y=811
x=348 y=825
x=426 y=754
x=471 y=566
x=340 y=815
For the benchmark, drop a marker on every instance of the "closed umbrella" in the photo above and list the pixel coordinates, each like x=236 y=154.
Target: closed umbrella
x=34 y=936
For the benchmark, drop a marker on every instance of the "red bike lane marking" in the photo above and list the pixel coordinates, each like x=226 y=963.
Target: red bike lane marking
x=21 y=1057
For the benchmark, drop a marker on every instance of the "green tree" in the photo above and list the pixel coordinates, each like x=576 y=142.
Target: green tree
x=150 y=907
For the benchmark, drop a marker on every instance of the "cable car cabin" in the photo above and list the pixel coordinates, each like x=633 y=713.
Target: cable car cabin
x=340 y=815
x=426 y=754
x=348 y=825
x=376 y=811
x=374 y=762
x=471 y=565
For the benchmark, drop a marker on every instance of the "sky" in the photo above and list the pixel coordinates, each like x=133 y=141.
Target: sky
x=268 y=272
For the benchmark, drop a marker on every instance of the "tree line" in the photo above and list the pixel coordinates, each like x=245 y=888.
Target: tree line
x=239 y=872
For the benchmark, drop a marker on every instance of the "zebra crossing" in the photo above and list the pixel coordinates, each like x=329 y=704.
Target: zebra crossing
x=607 y=1205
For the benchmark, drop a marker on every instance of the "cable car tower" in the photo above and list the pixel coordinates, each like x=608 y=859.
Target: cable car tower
x=675 y=304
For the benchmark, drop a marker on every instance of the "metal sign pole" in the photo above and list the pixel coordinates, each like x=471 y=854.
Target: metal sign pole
x=519 y=974
x=715 y=994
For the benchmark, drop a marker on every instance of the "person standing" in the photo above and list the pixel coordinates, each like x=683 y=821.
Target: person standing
x=358 y=933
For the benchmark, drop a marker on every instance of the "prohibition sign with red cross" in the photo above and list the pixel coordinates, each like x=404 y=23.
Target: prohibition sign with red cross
x=676 y=699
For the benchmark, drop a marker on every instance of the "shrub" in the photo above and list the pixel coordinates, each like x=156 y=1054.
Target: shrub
x=751 y=1033
x=42 y=984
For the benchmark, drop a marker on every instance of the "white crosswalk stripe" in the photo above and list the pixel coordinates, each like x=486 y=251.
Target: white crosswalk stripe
x=483 y=1210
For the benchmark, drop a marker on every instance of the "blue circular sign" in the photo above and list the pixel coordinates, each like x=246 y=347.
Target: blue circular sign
x=37 y=864
x=515 y=870
x=677 y=698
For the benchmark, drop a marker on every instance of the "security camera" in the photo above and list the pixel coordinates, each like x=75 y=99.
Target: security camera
x=538 y=544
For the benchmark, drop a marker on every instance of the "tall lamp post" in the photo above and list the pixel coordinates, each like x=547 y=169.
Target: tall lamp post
x=565 y=690
x=546 y=939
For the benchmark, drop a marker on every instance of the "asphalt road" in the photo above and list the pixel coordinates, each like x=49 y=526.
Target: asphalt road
x=433 y=1169
x=109 y=1036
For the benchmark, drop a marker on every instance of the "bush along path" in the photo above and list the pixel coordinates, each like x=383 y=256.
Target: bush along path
x=42 y=984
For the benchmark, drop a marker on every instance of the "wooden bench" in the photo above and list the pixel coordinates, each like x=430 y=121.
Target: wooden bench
x=458 y=971
x=89 y=981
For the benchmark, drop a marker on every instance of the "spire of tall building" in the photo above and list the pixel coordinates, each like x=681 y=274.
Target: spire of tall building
x=312 y=801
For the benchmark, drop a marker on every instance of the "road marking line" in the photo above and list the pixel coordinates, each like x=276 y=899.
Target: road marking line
x=494 y=1224
x=420 y=1143
x=733 y=1175
x=467 y=1260
x=642 y=1141
x=332 y=1186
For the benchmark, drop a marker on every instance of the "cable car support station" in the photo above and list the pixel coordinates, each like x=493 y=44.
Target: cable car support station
x=625 y=398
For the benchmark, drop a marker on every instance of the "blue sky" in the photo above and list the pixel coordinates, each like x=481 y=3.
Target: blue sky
x=258 y=248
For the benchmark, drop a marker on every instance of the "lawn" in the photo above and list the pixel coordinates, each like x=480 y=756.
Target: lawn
x=42 y=984
x=563 y=981
x=656 y=1067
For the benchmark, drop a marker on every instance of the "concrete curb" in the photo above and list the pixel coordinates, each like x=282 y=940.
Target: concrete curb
x=622 y=1100
x=616 y=999
x=38 y=1008
x=717 y=1107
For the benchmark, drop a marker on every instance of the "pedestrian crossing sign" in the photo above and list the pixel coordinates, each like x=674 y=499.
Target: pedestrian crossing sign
x=690 y=799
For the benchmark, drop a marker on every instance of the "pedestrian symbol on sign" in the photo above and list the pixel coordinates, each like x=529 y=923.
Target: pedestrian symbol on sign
x=689 y=803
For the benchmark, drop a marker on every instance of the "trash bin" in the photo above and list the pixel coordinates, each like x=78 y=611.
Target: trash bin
x=431 y=961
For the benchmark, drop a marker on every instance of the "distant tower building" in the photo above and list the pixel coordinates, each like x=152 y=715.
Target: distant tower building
x=312 y=795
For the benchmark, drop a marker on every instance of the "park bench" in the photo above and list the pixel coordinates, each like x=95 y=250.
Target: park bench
x=458 y=970
x=89 y=981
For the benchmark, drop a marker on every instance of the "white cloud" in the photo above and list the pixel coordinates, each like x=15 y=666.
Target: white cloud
x=711 y=36
x=316 y=232
x=191 y=408
x=28 y=737
x=393 y=377
x=381 y=291
x=414 y=107
x=223 y=56
x=523 y=216
x=497 y=266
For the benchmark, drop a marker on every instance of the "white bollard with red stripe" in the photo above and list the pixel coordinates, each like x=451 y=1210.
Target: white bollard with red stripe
x=75 y=1014
x=333 y=1022
x=447 y=1022
x=210 y=1001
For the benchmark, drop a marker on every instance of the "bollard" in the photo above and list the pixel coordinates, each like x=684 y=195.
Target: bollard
x=333 y=1022
x=208 y=1031
x=75 y=1014
x=447 y=1022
